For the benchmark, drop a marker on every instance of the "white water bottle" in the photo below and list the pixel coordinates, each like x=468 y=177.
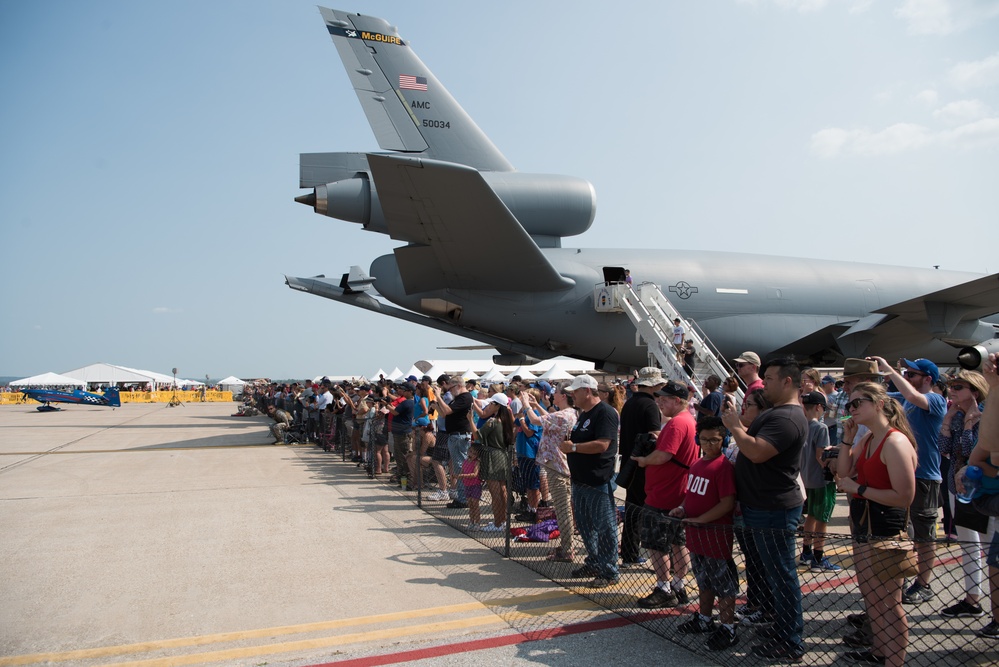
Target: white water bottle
x=972 y=482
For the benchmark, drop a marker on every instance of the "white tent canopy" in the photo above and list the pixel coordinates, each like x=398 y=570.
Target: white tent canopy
x=493 y=375
x=395 y=374
x=378 y=375
x=48 y=380
x=469 y=375
x=231 y=380
x=523 y=373
x=556 y=373
x=109 y=374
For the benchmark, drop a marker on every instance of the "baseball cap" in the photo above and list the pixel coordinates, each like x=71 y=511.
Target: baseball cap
x=924 y=366
x=582 y=382
x=675 y=389
x=814 y=398
x=828 y=379
x=748 y=358
x=411 y=378
x=426 y=378
x=499 y=398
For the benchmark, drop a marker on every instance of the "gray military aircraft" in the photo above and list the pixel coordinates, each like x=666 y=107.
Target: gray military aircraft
x=462 y=211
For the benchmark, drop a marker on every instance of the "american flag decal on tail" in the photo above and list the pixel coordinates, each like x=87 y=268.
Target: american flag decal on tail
x=409 y=82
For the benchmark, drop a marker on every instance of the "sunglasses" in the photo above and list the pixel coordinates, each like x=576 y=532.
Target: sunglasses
x=855 y=403
x=958 y=387
x=910 y=373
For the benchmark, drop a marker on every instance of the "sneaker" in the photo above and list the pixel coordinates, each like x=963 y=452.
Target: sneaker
x=757 y=619
x=963 y=609
x=456 y=505
x=857 y=620
x=584 y=571
x=825 y=565
x=806 y=560
x=991 y=631
x=438 y=495
x=721 y=638
x=742 y=611
x=917 y=594
x=473 y=526
x=681 y=596
x=864 y=658
x=696 y=625
x=493 y=528
x=638 y=562
x=657 y=599
x=602 y=582
x=858 y=639
x=784 y=653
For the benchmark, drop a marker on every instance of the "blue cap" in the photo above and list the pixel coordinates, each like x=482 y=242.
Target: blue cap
x=828 y=379
x=924 y=366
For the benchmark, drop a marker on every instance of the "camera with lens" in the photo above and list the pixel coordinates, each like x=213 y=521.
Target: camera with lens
x=831 y=453
x=645 y=444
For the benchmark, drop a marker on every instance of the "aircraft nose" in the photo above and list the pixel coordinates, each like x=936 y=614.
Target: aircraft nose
x=308 y=200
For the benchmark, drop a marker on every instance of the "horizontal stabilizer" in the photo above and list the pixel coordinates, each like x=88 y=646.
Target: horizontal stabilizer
x=460 y=229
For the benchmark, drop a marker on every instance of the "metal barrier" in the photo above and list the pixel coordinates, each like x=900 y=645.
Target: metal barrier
x=16 y=398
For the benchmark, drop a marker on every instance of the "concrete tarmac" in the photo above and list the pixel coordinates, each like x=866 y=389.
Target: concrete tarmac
x=151 y=535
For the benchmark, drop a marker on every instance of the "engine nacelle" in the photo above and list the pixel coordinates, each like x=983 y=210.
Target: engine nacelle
x=544 y=204
x=972 y=358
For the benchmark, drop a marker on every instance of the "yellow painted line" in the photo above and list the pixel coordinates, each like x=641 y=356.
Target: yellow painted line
x=141 y=647
x=424 y=630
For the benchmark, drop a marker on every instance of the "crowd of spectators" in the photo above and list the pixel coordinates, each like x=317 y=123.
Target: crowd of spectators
x=761 y=466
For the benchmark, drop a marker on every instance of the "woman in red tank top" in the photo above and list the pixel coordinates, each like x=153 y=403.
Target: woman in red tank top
x=885 y=463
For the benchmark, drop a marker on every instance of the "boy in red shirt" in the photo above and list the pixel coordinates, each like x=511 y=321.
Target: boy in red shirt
x=707 y=511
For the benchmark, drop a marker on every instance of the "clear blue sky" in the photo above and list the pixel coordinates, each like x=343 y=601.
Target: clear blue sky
x=149 y=155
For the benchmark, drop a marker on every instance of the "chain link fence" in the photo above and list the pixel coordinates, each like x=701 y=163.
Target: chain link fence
x=834 y=623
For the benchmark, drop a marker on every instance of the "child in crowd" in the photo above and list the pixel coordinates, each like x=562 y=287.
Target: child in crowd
x=707 y=510
x=473 y=484
x=820 y=489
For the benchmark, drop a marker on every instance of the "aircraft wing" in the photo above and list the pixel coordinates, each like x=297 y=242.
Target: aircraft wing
x=944 y=310
x=953 y=314
x=463 y=235
x=408 y=109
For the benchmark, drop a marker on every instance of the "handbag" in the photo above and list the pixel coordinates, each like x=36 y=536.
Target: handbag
x=891 y=557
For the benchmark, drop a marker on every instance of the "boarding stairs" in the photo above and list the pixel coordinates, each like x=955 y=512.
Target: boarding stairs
x=653 y=314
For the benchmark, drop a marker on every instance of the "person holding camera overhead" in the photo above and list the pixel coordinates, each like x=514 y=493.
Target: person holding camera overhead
x=665 y=482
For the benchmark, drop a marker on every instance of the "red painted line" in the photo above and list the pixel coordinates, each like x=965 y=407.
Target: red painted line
x=482 y=644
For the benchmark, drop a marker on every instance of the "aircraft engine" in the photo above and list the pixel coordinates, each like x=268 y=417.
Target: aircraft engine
x=545 y=204
x=972 y=358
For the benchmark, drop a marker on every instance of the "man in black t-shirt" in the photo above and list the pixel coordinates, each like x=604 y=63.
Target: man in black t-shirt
x=591 y=451
x=459 y=427
x=766 y=477
x=640 y=416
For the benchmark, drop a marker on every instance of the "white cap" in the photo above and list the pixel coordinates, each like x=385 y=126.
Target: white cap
x=582 y=382
x=499 y=398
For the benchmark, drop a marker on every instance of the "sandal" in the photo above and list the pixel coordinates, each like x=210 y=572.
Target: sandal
x=559 y=556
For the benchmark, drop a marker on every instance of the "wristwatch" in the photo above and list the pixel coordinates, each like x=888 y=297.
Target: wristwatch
x=573 y=446
x=861 y=489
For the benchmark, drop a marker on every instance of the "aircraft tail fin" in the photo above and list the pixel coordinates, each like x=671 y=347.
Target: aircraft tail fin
x=408 y=109
x=113 y=397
